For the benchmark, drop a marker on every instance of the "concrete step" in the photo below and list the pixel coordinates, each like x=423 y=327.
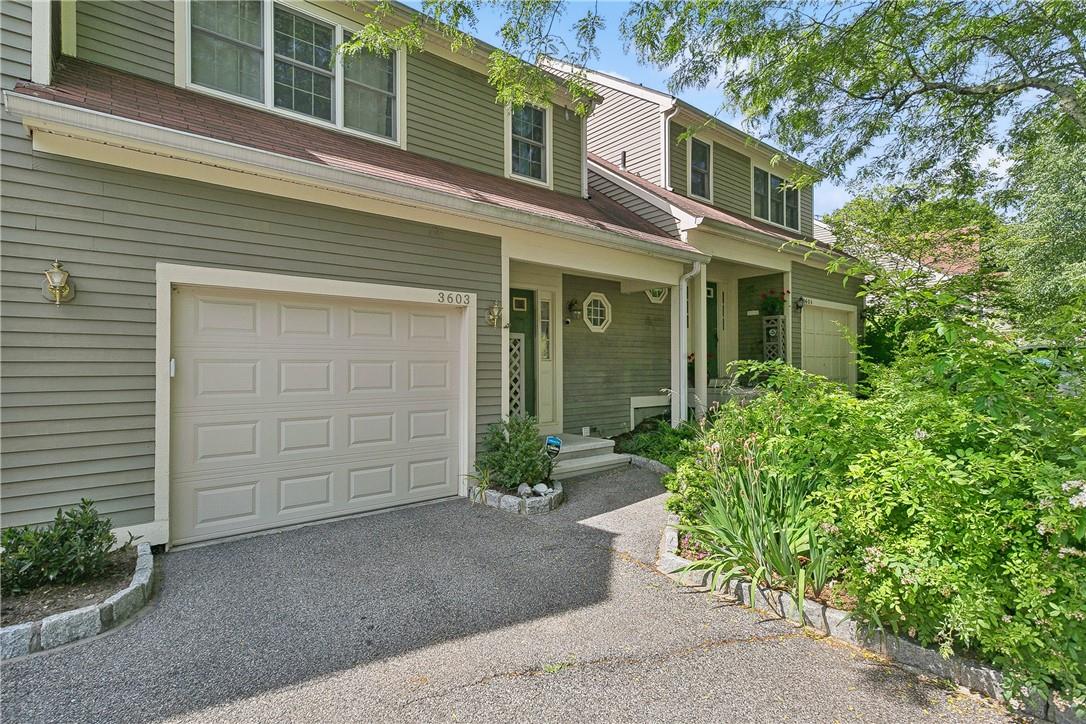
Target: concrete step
x=575 y=447
x=591 y=465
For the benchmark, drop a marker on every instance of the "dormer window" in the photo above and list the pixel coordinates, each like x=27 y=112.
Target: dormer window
x=701 y=163
x=528 y=144
x=283 y=58
x=774 y=201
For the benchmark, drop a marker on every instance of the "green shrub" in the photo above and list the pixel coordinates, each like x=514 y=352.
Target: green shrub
x=658 y=441
x=73 y=549
x=513 y=454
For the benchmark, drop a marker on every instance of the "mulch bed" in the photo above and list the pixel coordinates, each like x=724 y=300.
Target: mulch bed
x=46 y=600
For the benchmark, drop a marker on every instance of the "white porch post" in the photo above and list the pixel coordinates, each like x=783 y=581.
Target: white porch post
x=678 y=359
x=699 y=331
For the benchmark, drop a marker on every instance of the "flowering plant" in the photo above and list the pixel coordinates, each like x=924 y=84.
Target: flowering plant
x=774 y=302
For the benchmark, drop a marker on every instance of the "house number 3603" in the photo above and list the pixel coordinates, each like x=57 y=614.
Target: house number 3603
x=452 y=298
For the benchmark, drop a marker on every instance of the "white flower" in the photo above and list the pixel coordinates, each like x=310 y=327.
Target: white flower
x=1074 y=485
x=1078 y=501
x=1041 y=528
x=920 y=434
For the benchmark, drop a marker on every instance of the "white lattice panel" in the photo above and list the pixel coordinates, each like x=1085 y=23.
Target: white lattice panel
x=516 y=374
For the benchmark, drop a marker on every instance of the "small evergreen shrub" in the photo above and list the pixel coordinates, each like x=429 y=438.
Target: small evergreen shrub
x=73 y=549
x=513 y=453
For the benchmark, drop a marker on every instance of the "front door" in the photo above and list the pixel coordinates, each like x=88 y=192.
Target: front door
x=522 y=352
x=712 y=313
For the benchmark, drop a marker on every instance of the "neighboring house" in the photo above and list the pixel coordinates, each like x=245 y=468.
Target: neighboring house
x=302 y=293
x=724 y=193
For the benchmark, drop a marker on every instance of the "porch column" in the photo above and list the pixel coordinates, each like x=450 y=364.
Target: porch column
x=699 y=340
x=678 y=360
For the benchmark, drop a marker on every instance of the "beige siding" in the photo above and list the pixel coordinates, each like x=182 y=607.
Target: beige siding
x=807 y=281
x=135 y=37
x=603 y=370
x=653 y=214
x=14 y=42
x=623 y=122
x=731 y=180
x=78 y=380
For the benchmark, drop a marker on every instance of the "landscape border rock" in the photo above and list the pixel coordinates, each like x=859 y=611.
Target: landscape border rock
x=530 y=505
x=63 y=628
x=839 y=625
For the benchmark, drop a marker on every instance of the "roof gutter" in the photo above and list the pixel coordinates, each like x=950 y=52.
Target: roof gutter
x=684 y=294
x=666 y=114
x=61 y=119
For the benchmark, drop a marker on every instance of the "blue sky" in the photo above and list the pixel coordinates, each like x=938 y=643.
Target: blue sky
x=614 y=59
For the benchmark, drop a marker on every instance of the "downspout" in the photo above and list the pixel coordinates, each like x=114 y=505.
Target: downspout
x=665 y=144
x=684 y=388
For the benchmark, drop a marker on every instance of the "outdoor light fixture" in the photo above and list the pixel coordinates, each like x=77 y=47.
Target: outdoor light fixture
x=574 y=308
x=57 y=287
x=800 y=303
x=494 y=314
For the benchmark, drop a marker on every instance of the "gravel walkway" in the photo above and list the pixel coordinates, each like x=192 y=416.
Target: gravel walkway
x=454 y=612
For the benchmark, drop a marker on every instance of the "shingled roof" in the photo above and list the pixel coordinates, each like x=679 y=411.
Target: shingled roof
x=82 y=84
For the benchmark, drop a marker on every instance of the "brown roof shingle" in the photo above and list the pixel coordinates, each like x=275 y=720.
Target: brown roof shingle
x=95 y=87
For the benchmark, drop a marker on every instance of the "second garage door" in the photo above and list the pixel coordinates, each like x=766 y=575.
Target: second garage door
x=826 y=349
x=293 y=408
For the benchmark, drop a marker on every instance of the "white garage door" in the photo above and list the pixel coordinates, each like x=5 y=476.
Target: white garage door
x=293 y=408
x=826 y=350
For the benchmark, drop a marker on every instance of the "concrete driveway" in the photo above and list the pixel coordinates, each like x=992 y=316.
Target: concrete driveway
x=454 y=612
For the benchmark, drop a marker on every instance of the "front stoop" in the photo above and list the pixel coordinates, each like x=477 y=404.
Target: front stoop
x=583 y=456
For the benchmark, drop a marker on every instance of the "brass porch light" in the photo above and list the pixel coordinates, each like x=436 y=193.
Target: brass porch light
x=57 y=287
x=494 y=314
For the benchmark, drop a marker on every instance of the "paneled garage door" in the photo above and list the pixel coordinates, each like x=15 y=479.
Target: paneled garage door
x=826 y=350
x=293 y=408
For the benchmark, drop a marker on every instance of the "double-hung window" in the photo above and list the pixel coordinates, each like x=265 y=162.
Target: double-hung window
x=235 y=45
x=774 y=200
x=701 y=159
x=528 y=143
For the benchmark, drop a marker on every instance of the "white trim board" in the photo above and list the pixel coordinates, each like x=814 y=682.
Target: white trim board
x=41 y=42
x=167 y=275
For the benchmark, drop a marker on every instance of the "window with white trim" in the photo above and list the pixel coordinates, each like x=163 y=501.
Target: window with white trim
x=701 y=159
x=774 y=201
x=597 y=312
x=528 y=144
x=228 y=54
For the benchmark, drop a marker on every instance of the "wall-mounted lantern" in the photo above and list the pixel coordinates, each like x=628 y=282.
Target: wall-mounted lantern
x=57 y=286
x=494 y=314
x=574 y=308
x=800 y=303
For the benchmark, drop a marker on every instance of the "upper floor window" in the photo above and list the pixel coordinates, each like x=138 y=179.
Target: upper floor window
x=283 y=57
x=701 y=160
x=528 y=146
x=774 y=201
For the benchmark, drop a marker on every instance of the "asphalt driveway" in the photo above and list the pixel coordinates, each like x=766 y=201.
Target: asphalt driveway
x=454 y=612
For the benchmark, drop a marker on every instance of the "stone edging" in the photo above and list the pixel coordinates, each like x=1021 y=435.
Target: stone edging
x=515 y=504
x=64 y=628
x=839 y=625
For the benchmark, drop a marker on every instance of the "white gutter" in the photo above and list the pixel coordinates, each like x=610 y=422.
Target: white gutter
x=684 y=294
x=95 y=126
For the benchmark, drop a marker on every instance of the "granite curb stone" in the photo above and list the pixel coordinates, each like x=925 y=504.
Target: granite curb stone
x=838 y=624
x=534 y=505
x=81 y=623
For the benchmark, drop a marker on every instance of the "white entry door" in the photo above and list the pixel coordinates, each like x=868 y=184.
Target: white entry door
x=290 y=408
x=826 y=350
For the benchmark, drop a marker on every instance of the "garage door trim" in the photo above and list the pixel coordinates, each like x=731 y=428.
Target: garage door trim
x=853 y=314
x=168 y=275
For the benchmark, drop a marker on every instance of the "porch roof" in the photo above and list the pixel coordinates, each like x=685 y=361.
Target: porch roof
x=88 y=86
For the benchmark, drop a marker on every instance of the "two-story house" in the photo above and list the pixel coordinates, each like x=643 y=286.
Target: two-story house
x=301 y=287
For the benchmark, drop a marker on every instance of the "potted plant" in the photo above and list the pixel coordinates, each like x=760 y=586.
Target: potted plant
x=774 y=303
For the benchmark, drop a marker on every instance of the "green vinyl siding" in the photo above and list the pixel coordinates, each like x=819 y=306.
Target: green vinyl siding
x=135 y=37
x=749 y=327
x=452 y=116
x=14 y=42
x=731 y=180
x=566 y=132
x=806 y=211
x=601 y=371
x=677 y=162
x=808 y=281
x=78 y=380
